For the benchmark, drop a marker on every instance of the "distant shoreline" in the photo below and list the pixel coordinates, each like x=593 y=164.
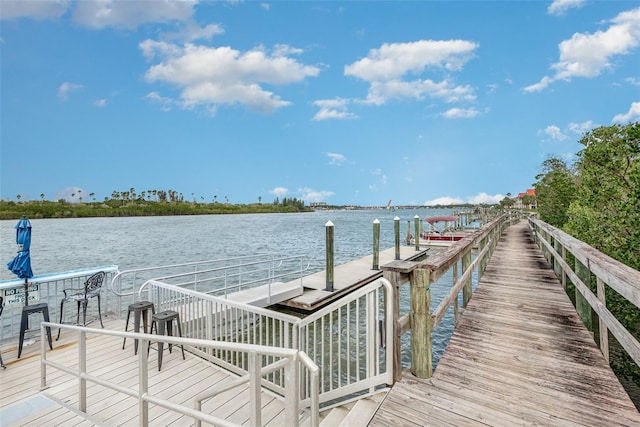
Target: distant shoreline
x=117 y=208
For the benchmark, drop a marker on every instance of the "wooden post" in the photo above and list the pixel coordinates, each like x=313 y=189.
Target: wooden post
x=421 y=355
x=408 y=232
x=564 y=276
x=396 y=232
x=582 y=306
x=329 y=257
x=603 y=331
x=416 y=220
x=376 y=244
x=455 y=304
x=557 y=268
x=468 y=287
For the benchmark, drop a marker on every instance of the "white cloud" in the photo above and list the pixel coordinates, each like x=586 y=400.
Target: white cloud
x=388 y=70
x=381 y=92
x=632 y=115
x=587 y=55
x=129 y=14
x=560 y=7
x=265 y=6
x=336 y=159
x=484 y=198
x=461 y=113
x=100 y=103
x=165 y=103
x=581 y=128
x=333 y=109
x=66 y=88
x=214 y=76
x=446 y=200
x=311 y=195
x=632 y=81
x=394 y=60
x=554 y=132
x=480 y=198
x=279 y=191
x=12 y=9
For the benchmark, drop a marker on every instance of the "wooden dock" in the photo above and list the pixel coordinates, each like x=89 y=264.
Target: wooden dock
x=519 y=355
x=23 y=404
x=347 y=277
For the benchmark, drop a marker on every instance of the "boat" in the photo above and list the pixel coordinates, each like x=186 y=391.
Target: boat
x=443 y=228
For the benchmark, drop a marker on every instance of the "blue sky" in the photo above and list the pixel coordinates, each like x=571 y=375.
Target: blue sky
x=342 y=102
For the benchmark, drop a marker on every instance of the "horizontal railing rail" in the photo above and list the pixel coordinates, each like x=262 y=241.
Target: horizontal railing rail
x=287 y=362
x=207 y=317
x=218 y=276
x=422 y=319
x=221 y=281
x=347 y=340
x=356 y=327
x=589 y=264
x=48 y=288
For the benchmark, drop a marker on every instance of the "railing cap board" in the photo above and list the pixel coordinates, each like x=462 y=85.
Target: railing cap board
x=441 y=262
x=620 y=277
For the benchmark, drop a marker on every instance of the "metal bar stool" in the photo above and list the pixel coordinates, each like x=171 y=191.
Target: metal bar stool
x=139 y=309
x=24 y=322
x=164 y=322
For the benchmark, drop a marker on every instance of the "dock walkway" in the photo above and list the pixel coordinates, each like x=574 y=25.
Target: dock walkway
x=519 y=355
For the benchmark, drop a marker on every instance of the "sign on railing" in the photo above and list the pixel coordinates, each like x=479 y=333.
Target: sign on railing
x=15 y=296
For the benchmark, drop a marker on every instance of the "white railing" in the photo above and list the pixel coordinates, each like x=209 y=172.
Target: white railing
x=207 y=317
x=48 y=288
x=288 y=364
x=346 y=339
x=216 y=277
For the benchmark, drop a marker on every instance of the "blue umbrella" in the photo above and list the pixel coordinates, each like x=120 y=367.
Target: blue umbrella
x=21 y=264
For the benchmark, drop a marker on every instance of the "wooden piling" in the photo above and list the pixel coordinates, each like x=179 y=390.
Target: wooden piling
x=329 y=256
x=396 y=232
x=421 y=354
x=416 y=220
x=376 y=244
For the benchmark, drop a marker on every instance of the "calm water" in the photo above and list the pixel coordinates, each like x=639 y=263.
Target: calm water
x=69 y=244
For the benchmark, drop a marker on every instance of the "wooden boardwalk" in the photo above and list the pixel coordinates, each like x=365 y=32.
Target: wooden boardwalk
x=519 y=356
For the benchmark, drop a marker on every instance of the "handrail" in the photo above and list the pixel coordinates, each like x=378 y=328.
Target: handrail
x=289 y=364
x=118 y=277
x=350 y=327
x=243 y=284
x=360 y=366
x=219 y=276
x=556 y=245
x=422 y=319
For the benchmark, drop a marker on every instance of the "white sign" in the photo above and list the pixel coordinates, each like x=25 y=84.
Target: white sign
x=15 y=296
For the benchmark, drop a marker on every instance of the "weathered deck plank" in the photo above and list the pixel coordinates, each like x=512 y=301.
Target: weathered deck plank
x=23 y=404
x=519 y=356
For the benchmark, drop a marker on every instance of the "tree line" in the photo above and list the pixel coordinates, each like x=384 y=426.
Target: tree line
x=597 y=200
x=128 y=203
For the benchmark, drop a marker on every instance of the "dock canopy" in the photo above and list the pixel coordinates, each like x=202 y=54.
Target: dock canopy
x=433 y=219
